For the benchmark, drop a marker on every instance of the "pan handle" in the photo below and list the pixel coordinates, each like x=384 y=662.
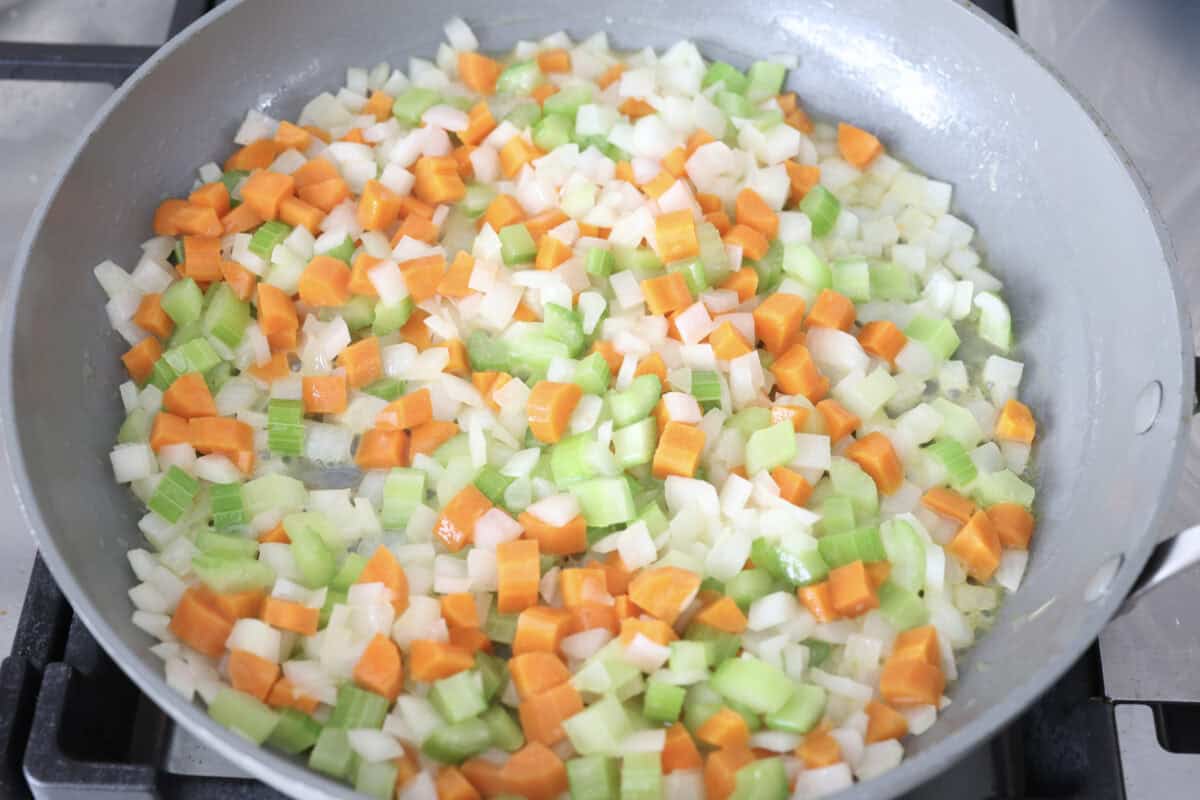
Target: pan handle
x=1172 y=557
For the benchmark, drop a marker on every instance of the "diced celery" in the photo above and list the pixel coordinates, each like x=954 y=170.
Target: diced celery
x=174 y=494
x=902 y=608
x=754 y=683
x=295 y=732
x=576 y=458
x=453 y=744
x=906 y=552
x=487 y=353
x=822 y=209
x=358 y=708
x=770 y=447
x=938 y=335
x=162 y=375
x=285 y=427
x=688 y=657
x=519 y=78
x=733 y=104
x=267 y=237
x=599 y=261
x=504 y=731
x=135 y=428
x=751 y=419
x=995 y=321
x=403 y=491
x=764 y=779
x=349 y=570
x=662 y=701
x=958 y=423
x=553 y=130
x=232 y=177
x=226 y=317
x=765 y=80
x=228 y=510
x=636 y=402
x=818 y=651
x=706 y=388
x=243 y=714
x=600 y=728
x=223 y=545
x=532 y=350
x=605 y=501
x=182 y=301
x=713 y=255
x=594 y=778
x=860 y=544
x=733 y=78
x=801 y=712
x=634 y=444
x=199 y=355
x=748 y=586
x=593 y=374
x=478 y=197
x=333 y=598
x=656 y=521
x=385 y=389
x=852 y=277
x=186 y=333
x=342 y=251
x=459 y=696
x=232 y=574
x=412 y=103
x=693 y=272
x=492 y=483
x=837 y=515
x=639 y=260
x=565 y=326
x=770 y=268
x=1003 y=487
x=313 y=558
x=798 y=569
x=218 y=376
x=389 y=319
x=273 y=492
x=524 y=115
x=802 y=262
x=493 y=672
x=376 y=779
x=332 y=754
x=642 y=777
x=850 y=481
x=765 y=120
x=702 y=702
x=501 y=628
x=892 y=282
x=955 y=460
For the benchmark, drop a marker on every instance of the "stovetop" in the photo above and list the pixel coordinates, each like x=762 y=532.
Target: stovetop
x=1123 y=722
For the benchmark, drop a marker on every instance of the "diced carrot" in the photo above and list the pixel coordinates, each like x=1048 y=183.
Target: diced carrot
x=720 y=771
x=456 y=282
x=724 y=615
x=379 y=105
x=325 y=195
x=540 y=224
x=472 y=639
x=290 y=136
x=542 y=91
x=515 y=154
x=325 y=282
x=977 y=546
x=949 y=503
x=796 y=373
x=524 y=313
x=856 y=145
x=564 y=540
x=551 y=253
x=299 y=213
x=277 y=535
x=792 y=485
x=240 y=279
x=581 y=586
x=198 y=220
x=1016 y=423
x=456 y=525
x=831 y=310
x=433 y=434
x=382 y=567
x=675 y=236
x=878 y=572
x=839 y=422
x=437 y=180
x=452 y=785
x=609 y=353
x=214 y=195
x=819 y=749
x=315 y=171
x=910 y=681
x=678 y=451
x=652 y=364
x=479 y=72
x=409 y=411
x=199 y=625
x=518 y=572
x=378 y=206
x=818 y=599
x=920 y=644
x=752 y=210
x=251 y=673
x=480 y=123
x=680 y=751
x=166 y=216
x=151 y=318
x=726 y=728
x=540 y=628
x=798 y=415
x=379 y=668
x=360 y=279
x=610 y=75
x=709 y=202
x=410 y=205
x=430 y=661
x=623 y=606
x=257 y=155
x=549 y=408
x=416 y=332
x=417 y=227
x=624 y=172
x=850 y=590
x=234 y=605
x=802 y=177
x=719 y=220
x=594 y=615
x=727 y=342
x=284 y=694
x=542 y=715
x=363 y=362
x=798 y=119
x=664 y=591
x=201 y=258
x=666 y=293
x=264 y=191
x=168 y=429
x=744 y=282
x=635 y=108
x=673 y=163
x=883 y=339
x=778 y=320
x=875 y=454
x=503 y=211
x=188 y=396
x=658 y=185
x=537 y=671
x=484 y=775
x=289 y=615
x=459 y=610
x=698 y=139
x=240 y=220
x=324 y=394
x=220 y=435
x=754 y=245
x=556 y=60
x=276 y=368
x=884 y=722
x=1013 y=524
x=382 y=449
x=535 y=772
x=655 y=630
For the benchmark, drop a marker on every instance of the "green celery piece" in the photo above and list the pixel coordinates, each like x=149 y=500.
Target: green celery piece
x=455 y=743
x=749 y=420
x=479 y=196
x=818 y=651
x=852 y=277
x=232 y=177
x=764 y=779
x=567 y=101
x=656 y=521
x=822 y=209
x=332 y=754
x=837 y=515
x=892 y=282
x=958 y=423
x=765 y=80
x=237 y=574
x=516 y=245
x=533 y=349
x=218 y=376
x=358 y=708
x=605 y=501
x=702 y=702
x=295 y=732
x=342 y=251
x=571 y=459
x=693 y=272
x=802 y=263
x=199 y=355
x=135 y=428
x=593 y=374
x=749 y=585
x=861 y=544
x=358 y=313
x=636 y=402
x=733 y=78
x=226 y=317
x=273 y=492
x=938 y=335
x=174 y=494
x=224 y=545
x=487 y=353
x=285 y=427
x=600 y=728
x=349 y=570
x=956 y=461
x=501 y=628
x=634 y=444
x=505 y=733
x=717 y=266
x=770 y=268
x=733 y=104
x=771 y=447
x=662 y=702
x=706 y=388
x=599 y=262
x=162 y=375
x=524 y=115
x=267 y=237
x=389 y=319
x=902 y=608
x=494 y=673
x=333 y=597
x=403 y=491
x=566 y=326
x=765 y=120
x=243 y=714
x=228 y=510
x=849 y=480
x=183 y=302
x=313 y=558
x=801 y=712
x=385 y=389
x=459 y=697
x=1003 y=487
x=760 y=687
x=186 y=333
x=906 y=552
x=376 y=779
x=492 y=483
x=798 y=569
x=642 y=777
x=519 y=78
x=412 y=103
x=553 y=130
x=594 y=778
x=639 y=260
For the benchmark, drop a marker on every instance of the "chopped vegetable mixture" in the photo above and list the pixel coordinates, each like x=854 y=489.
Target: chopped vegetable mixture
x=569 y=423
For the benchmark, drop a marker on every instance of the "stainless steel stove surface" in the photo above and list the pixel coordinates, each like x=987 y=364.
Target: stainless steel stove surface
x=1135 y=62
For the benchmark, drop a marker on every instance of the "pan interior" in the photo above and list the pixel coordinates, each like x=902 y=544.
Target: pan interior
x=1095 y=306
